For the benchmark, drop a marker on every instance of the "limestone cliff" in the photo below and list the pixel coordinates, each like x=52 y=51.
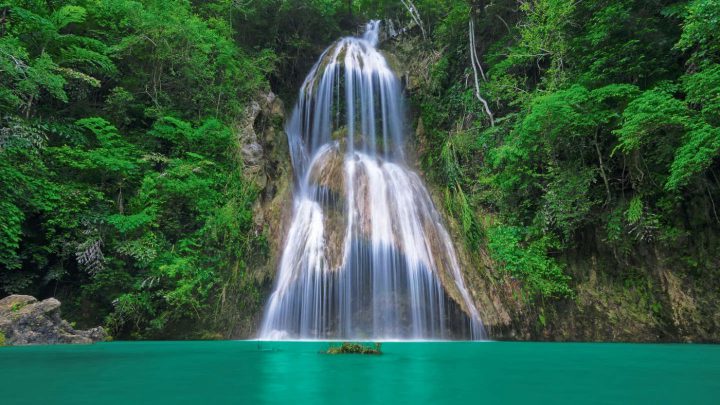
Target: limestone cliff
x=264 y=152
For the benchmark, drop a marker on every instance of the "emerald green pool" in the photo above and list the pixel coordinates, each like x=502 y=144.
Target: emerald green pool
x=416 y=373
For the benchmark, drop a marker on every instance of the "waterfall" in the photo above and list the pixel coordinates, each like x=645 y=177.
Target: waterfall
x=366 y=255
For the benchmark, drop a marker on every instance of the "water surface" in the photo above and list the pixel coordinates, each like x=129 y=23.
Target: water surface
x=297 y=373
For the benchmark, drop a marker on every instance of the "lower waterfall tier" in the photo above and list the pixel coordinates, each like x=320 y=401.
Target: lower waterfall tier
x=367 y=257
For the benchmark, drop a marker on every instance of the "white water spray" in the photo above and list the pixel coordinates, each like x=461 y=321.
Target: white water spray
x=366 y=256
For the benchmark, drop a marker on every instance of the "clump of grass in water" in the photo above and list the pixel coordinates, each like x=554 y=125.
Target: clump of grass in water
x=355 y=348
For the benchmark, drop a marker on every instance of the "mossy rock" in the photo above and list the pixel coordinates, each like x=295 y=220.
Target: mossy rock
x=328 y=172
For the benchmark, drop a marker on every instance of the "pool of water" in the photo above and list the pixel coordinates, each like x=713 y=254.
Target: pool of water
x=299 y=373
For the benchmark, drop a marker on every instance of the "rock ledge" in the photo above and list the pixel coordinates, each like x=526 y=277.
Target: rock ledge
x=26 y=321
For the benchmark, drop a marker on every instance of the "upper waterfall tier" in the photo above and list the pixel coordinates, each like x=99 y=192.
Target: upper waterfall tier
x=350 y=93
x=366 y=255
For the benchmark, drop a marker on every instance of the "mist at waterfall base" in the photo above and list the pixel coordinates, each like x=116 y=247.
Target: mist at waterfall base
x=366 y=255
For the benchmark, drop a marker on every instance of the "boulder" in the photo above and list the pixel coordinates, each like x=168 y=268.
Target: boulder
x=26 y=321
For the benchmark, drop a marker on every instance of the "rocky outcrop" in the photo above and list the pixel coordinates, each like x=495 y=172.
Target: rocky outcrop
x=266 y=161
x=26 y=321
x=266 y=157
x=263 y=141
x=496 y=296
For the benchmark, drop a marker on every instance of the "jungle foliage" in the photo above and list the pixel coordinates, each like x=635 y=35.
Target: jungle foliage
x=606 y=132
x=121 y=187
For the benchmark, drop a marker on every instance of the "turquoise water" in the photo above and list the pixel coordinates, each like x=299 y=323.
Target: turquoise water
x=297 y=373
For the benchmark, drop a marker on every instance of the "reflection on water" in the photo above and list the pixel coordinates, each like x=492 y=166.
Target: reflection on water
x=299 y=373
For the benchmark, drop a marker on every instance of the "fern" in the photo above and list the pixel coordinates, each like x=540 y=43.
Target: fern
x=701 y=148
x=67 y=15
x=652 y=111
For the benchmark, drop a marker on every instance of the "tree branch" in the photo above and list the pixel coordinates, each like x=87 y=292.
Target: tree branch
x=415 y=15
x=475 y=64
x=602 y=168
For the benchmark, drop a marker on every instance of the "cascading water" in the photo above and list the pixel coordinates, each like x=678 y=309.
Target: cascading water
x=366 y=255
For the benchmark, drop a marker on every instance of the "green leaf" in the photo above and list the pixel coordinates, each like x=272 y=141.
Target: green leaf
x=67 y=15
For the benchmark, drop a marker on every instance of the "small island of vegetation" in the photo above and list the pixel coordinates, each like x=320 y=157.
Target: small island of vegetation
x=355 y=348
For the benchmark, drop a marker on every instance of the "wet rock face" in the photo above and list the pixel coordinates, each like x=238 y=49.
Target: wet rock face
x=263 y=143
x=265 y=156
x=266 y=163
x=26 y=321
